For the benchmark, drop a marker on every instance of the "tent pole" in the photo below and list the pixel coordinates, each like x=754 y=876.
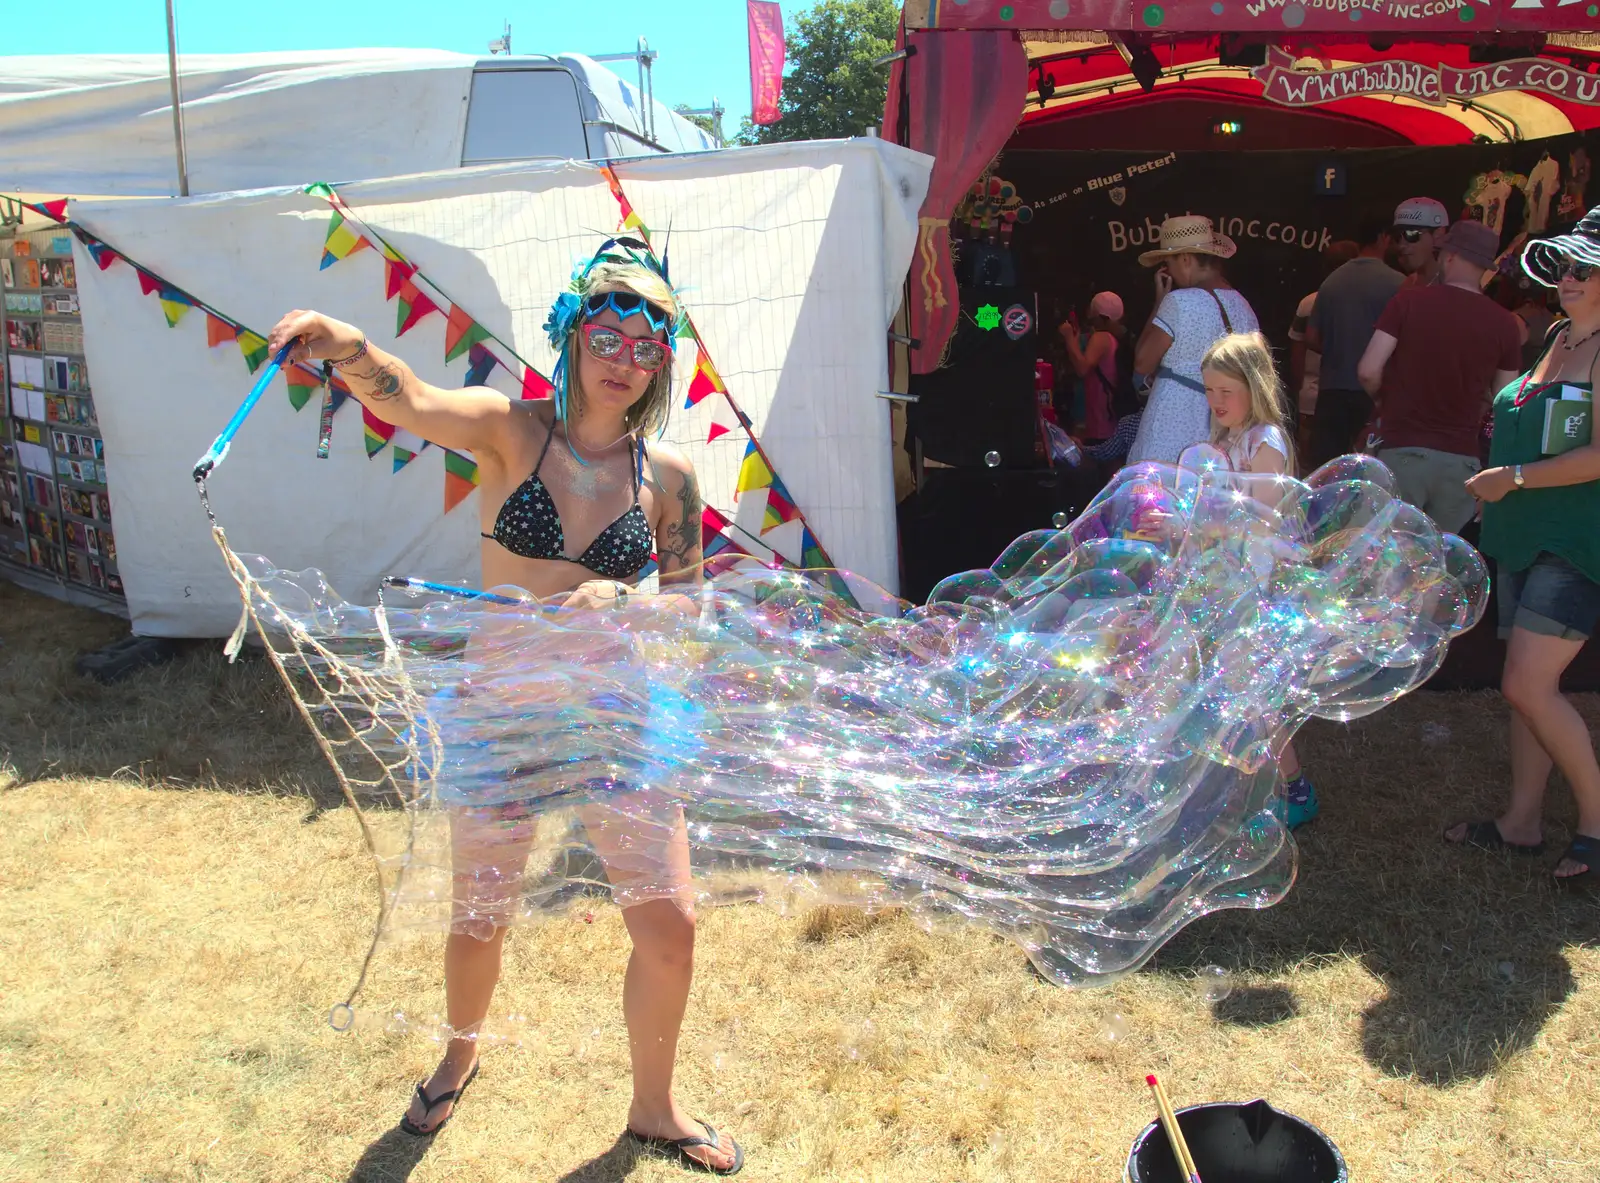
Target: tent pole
x=177 y=110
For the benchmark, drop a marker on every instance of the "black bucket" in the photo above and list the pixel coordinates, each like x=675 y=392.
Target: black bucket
x=1233 y=1143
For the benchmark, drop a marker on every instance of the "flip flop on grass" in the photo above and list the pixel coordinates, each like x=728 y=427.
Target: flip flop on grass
x=1485 y=835
x=1586 y=850
x=679 y=1148
x=429 y=1104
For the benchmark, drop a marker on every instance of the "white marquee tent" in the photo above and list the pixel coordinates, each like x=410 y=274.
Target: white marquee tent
x=790 y=257
x=102 y=123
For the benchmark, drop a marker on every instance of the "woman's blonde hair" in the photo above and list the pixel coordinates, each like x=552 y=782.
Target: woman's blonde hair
x=1247 y=358
x=649 y=413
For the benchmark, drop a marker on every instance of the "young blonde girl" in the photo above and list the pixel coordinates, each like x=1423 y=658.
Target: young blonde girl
x=1249 y=410
x=1249 y=426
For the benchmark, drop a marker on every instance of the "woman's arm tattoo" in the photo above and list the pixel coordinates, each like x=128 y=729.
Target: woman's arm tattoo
x=679 y=545
x=386 y=380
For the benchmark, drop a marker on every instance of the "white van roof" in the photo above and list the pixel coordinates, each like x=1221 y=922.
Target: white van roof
x=102 y=123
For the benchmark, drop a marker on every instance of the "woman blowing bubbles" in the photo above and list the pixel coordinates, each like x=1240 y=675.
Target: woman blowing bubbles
x=573 y=499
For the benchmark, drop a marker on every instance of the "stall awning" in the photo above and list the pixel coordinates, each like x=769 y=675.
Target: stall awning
x=1439 y=94
x=1472 y=18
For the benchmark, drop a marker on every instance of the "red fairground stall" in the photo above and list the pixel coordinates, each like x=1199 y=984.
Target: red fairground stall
x=1064 y=131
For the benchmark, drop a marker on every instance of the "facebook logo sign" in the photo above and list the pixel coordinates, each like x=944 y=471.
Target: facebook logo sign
x=1330 y=181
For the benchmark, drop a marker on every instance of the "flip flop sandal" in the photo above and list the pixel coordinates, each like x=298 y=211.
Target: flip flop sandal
x=1485 y=835
x=430 y=1104
x=1586 y=850
x=679 y=1148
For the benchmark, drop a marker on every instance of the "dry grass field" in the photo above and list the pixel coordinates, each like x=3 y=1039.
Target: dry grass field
x=182 y=898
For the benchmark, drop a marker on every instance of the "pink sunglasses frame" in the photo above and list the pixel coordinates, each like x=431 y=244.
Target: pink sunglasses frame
x=628 y=348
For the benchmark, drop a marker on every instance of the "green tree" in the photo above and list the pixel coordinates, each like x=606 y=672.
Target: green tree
x=831 y=89
x=703 y=122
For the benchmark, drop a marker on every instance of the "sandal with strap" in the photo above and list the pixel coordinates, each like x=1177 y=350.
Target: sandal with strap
x=679 y=1148
x=1485 y=835
x=1586 y=850
x=429 y=1104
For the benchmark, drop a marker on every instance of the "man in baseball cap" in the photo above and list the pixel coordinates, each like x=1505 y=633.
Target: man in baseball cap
x=1437 y=357
x=1420 y=224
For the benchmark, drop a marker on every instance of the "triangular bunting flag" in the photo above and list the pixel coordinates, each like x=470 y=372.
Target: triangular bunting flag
x=148 y=284
x=254 y=349
x=341 y=243
x=705 y=380
x=723 y=420
x=810 y=553
x=713 y=533
x=302 y=385
x=319 y=189
x=785 y=541
x=396 y=274
x=753 y=473
x=461 y=333
x=535 y=384
x=616 y=191
x=174 y=304
x=375 y=431
x=103 y=255
x=218 y=331
x=56 y=209
x=413 y=307
x=480 y=364
x=780 y=509
x=685 y=329
x=407 y=447
x=460 y=478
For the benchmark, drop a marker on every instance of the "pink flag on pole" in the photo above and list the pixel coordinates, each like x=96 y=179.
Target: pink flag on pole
x=766 y=60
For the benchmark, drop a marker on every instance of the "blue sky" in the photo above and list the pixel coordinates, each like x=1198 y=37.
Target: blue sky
x=701 y=42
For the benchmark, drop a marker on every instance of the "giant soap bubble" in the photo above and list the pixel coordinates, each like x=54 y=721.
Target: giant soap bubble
x=1073 y=748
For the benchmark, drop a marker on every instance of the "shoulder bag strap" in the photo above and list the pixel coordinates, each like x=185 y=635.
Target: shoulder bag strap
x=1226 y=323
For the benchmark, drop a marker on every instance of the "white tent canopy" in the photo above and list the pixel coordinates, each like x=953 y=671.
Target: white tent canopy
x=102 y=124
x=790 y=259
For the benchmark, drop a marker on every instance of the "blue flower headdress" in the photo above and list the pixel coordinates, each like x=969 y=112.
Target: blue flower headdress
x=578 y=304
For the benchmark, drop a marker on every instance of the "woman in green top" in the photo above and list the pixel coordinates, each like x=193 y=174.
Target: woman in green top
x=1541 y=525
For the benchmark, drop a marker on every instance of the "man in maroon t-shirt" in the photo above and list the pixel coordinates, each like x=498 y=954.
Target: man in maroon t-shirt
x=1437 y=358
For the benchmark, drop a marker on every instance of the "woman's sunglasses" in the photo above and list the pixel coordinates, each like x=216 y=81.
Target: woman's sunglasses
x=1576 y=269
x=646 y=353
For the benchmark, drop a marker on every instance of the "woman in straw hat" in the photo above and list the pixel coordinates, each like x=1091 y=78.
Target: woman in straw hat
x=1195 y=306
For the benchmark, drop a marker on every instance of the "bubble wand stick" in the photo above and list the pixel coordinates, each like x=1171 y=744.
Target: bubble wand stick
x=1169 y=1122
x=218 y=450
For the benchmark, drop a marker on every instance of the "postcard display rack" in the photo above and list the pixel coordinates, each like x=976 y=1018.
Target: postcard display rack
x=55 y=508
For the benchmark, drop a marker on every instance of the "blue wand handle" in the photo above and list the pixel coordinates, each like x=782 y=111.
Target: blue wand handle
x=218 y=451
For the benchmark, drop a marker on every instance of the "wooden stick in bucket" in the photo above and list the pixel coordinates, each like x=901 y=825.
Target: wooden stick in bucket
x=1169 y=1122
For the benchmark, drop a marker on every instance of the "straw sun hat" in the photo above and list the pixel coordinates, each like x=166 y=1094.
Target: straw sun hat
x=1190 y=234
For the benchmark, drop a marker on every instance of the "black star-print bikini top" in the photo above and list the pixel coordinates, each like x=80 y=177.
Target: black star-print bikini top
x=529 y=525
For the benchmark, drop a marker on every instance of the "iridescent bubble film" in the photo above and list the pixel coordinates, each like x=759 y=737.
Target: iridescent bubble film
x=1074 y=748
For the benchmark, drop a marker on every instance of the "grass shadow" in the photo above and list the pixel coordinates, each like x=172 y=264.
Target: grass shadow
x=196 y=721
x=615 y=1165
x=1470 y=947
x=1257 y=1006
x=390 y=1159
